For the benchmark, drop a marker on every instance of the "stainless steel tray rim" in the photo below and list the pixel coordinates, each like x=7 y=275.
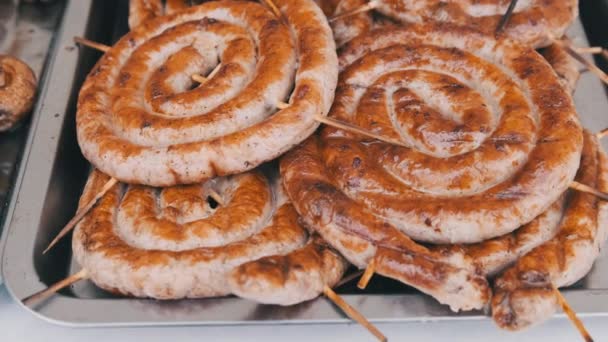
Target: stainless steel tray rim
x=22 y=278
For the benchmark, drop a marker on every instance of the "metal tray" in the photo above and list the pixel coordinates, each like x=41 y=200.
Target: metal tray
x=26 y=32
x=54 y=174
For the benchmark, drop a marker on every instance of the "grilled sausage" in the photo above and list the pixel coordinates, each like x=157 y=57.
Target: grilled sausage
x=533 y=22
x=488 y=151
x=565 y=66
x=171 y=243
x=139 y=121
x=524 y=295
x=361 y=236
x=492 y=142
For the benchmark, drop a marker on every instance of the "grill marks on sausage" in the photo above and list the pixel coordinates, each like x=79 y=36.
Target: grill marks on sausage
x=524 y=292
x=233 y=129
x=370 y=198
x=128 y=264
x=512 y=160
x=533 y=23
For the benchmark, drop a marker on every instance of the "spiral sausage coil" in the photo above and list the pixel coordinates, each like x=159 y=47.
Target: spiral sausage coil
x=174 y=243
x=141 y=118
x=491 y=142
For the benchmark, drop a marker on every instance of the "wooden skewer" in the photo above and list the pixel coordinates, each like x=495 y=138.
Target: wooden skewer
x=273 y=8
x=46 y=293
x=216 y=197
x=594 y=50
x=348 y=279
x=198 y=78
x=214 y=71
x=352 y=313
x=202 y=79
x=367 y=275
x=586 y=188
x=352 y=128
x=365 y=8
x=92 y=44
x=572 y=316
x=506 y=17
x=282 y=105
x=81 y=213
x=601 y=134
x=589 y=65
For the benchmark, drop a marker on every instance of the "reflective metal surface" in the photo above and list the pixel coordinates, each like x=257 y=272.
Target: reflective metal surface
x=26 y=32
x=49 y=186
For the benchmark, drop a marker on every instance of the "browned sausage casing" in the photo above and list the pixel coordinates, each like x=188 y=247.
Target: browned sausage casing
x=534 y=23
x=524 y=295
x=142 y=119
x=492 y=140
x=172 y=243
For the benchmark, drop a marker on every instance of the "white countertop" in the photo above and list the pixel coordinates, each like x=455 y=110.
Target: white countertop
x=17 y=324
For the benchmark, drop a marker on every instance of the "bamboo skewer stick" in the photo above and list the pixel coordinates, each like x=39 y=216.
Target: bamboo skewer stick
x=601 y=134
x=46 y=293
x=81 y=213
x=282 y=105
x=202 y=79
x=589 y=65
x=91 y=44
x=214 y=71
x=586 y=188
x=273 y=8
x=504 y=20
x=352 y=313
x=367 y=275
x=198 y=78
x=348 y=279
x=594 y=50
x=365 y=8
x=572 y=316
x=354 y=129
x=216 y=197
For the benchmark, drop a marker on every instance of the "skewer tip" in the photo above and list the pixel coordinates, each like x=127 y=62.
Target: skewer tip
x=601 y=134
x=572 y=315
x=352 y=313
x=198 y=78
x=81 y=213
x=587 y=189
x=282 y=105
x=46 y=293
x=89 y=43
x=367 y=275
